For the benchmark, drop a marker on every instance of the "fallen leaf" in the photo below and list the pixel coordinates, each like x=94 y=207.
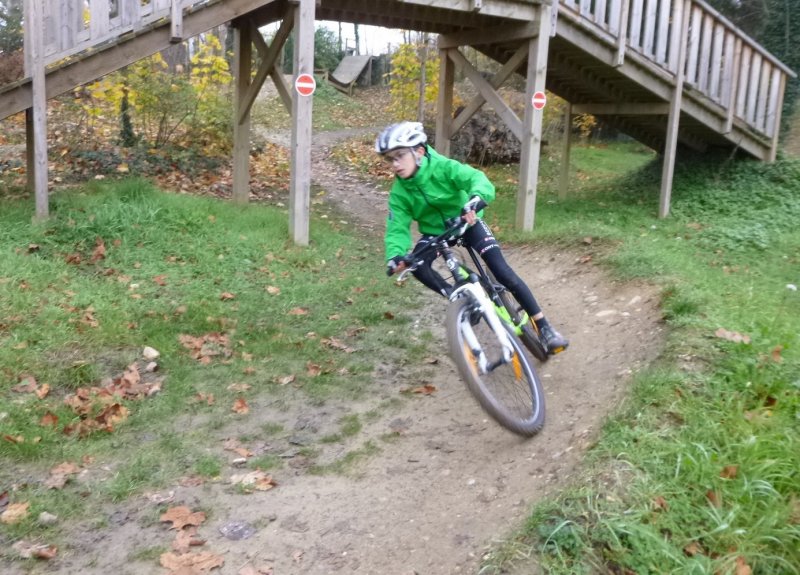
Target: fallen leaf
x=186 y=538
x=286 y=380
x=99 y=252
x=225 y=296
x=49 y=419
x=312 y=369
x=272 y=290
x=34 y=550
x=693 y=549
x=182 y=516
x=240 y=406
x=258 y=480
x=729 y=472
x=337 y=344
x=160 y=279
x=298 y=311
x=733 y=336
x=239 y=387
x=660 y=504
x=42 y=392
x=202 y=562
x=426 y=389
x=776 y=353
x=14 y=513
x=27 y=384
x=742 y=568
x=388 y=315
x=714 y=498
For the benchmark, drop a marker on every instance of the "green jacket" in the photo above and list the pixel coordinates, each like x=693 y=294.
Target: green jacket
x=438 y=191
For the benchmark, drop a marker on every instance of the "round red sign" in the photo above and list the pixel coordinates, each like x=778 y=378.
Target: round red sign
x=539 y=100
x=305 y=84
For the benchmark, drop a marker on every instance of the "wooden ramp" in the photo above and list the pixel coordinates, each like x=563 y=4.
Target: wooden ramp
x=349 y=70
x=666 y=72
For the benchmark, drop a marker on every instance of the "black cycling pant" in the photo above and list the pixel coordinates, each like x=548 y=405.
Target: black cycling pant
x=480 y=238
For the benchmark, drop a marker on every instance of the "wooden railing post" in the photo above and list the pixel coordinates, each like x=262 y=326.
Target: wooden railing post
x=624 y=7
x=176 y=22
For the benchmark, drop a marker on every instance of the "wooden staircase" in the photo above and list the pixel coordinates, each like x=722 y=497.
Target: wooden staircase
x=663 y=71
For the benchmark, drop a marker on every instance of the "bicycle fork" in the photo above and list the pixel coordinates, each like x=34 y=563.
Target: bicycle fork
x=485 y=305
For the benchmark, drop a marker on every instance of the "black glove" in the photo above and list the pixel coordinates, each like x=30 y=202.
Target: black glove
x=475 y=204
x=392 y=264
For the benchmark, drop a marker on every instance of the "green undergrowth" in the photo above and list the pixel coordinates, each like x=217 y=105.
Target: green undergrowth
x=235 y=309
x=698 y=471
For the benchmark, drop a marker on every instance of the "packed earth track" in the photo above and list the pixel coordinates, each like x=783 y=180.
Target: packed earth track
x=451 y=482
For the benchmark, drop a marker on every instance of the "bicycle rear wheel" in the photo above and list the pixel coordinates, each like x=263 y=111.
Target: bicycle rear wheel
x=511 y=391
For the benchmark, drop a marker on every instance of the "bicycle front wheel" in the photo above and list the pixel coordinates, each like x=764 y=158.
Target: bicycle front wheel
x=508 y=390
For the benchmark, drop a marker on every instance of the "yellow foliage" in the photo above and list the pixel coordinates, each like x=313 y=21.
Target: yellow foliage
x=406 y=76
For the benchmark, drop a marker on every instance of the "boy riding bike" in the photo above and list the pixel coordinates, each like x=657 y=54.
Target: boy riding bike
x=429 y=189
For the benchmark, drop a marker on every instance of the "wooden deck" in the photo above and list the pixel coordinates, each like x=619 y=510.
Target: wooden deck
x=662 y=71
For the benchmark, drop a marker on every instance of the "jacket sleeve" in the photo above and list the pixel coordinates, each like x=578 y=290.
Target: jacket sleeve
x=398 y=227
x=473 y=181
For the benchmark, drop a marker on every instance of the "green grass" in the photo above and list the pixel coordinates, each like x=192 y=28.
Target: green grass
x=698 y=471
x=73 y=321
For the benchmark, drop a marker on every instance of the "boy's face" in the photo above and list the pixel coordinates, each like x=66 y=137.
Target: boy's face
x=403 y=162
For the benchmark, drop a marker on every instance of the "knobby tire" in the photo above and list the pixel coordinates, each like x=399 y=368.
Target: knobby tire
x=512 y=393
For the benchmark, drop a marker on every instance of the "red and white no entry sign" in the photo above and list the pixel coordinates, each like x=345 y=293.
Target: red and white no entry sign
x=305 y=84
x=539 y=100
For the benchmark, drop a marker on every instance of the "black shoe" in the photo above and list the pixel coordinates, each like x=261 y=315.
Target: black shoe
x=552 y=340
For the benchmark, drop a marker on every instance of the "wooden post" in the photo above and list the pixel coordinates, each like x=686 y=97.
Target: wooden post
x=444 y=112
x=36 y=119
x=242 y=48
x=563 y=181
x=673 y=120
x=624 y=7
x=300 y=186
x=531 y=140
x=176 y=22
x=773 y=151
x=423 y=68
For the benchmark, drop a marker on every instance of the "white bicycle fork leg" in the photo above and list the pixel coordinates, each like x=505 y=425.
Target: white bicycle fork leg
x=487 y=308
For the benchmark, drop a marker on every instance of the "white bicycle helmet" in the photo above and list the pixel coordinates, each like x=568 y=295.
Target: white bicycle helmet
x=402 y=135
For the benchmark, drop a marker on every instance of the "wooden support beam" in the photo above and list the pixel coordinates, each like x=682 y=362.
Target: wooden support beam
x=497 y=80
x=269 y=57
x=531 y=139
x=36 y=126
x=488 y=92
x=242 y=55
x=508 y=33
x=671 y=145
x=623 y=109
x=563 y=181
x=300 y=186
x=444 y=109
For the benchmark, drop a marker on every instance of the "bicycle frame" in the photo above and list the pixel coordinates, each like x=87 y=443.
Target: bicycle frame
x=471 y=284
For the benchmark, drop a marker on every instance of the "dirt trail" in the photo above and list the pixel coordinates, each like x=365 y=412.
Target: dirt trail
x=454 y=481
x=450 y=482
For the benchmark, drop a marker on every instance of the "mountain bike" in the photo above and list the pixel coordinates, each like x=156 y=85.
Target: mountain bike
x=484 y=326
